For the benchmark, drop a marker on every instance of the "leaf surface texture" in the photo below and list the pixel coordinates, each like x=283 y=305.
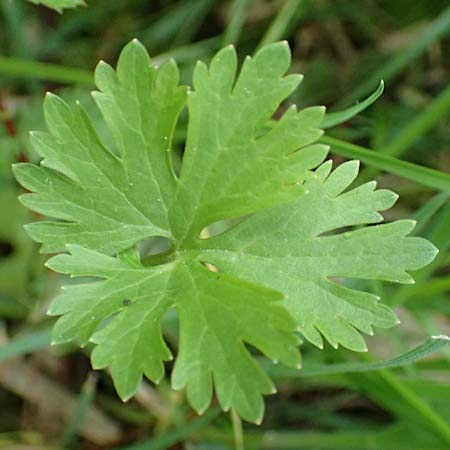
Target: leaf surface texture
x=255 y=285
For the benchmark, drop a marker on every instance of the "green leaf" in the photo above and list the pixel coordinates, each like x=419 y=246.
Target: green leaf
x=109 y=203
x=433 y=344
x=275 y=267
x=59 y=5
x=432 y=178
x=336 y=118
x=217 y=314
x=222 y=150
x=290 y=249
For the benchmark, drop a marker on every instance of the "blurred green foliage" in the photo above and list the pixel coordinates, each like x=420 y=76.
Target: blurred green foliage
x=343 y=48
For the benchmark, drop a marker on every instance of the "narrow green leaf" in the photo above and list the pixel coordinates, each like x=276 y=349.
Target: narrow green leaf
x=235 y=21
x=404 y=402
x=278 y=29
x=430 y=346
x=419 y=174
x=22 y=68
x=436 y=111
x=434 y=31
x=428 y=210
x=335 y=118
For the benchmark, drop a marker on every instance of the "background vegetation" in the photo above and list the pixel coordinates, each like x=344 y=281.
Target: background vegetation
x=50 y=398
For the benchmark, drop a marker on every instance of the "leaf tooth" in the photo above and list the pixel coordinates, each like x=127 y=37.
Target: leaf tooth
x=324 y=169
x=259 y=420
x=342 y=177
x=222 y=70
x=105 y=77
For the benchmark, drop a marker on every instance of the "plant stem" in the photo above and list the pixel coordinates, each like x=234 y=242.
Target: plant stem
x=237 y=431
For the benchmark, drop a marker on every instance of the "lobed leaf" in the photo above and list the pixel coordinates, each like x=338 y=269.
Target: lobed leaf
x=59 y=5
x=224 y=149
x=278 y=268
x=217 y=314
x=289 y=248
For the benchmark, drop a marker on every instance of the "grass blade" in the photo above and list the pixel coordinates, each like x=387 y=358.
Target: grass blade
x=436 y=30
x=432 y=345
x=335 y=118
x=437 y=110
x=235 y=22
x=278 y=27
x=15 y=67
x=391 y=437
x=190 y=52
x=396 y=396
x=419 y=174
x=428 y=210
